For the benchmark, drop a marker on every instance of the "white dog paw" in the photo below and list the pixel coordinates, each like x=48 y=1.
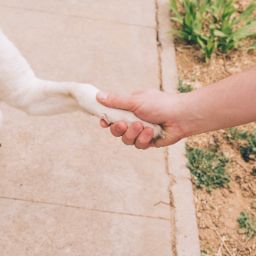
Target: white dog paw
x=114 y=115
x=86 y=96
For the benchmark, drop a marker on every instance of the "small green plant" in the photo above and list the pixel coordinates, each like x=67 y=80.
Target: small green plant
x=245 y=141
x=213 y=25
x=184 y=87
x=247 y=224
x=207 y=168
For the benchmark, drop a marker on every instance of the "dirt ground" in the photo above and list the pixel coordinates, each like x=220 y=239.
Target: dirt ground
x=217 y=212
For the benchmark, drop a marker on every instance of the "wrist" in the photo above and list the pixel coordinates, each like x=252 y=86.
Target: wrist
x=190 y=118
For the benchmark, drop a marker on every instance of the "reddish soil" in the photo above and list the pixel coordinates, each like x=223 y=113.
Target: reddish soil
x=217 y=212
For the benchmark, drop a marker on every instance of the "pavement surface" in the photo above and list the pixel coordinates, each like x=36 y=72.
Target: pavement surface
x=67 y=187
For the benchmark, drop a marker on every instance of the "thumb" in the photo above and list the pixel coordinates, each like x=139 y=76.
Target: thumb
x=115 y=100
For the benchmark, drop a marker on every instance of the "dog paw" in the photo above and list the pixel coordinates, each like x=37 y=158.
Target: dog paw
x=86 y=97
x=114 y=115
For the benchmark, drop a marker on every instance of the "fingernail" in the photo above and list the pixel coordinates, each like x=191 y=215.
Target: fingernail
x=102 y=95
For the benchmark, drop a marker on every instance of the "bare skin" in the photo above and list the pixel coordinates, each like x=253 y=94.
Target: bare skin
x=227 y=103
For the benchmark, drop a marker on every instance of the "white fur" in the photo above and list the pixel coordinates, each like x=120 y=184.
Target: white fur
x=20 y=88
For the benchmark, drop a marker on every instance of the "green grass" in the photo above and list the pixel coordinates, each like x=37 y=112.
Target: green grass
x=213 y=25
x=184 y=87
x=208 y=168
x=247 y=224
x=245 y=141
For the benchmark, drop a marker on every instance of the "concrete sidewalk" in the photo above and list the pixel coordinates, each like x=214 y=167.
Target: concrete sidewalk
x=67 y=187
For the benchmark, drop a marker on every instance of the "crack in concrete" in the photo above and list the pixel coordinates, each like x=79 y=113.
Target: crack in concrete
x=159 y=47
x=166 y=152
x=172 y=204
x=76 y=16
x=84 y=208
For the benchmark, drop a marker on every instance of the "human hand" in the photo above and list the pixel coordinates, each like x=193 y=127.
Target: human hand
x=152 y=106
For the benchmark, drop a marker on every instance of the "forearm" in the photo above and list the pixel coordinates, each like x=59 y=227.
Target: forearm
x=224 y=104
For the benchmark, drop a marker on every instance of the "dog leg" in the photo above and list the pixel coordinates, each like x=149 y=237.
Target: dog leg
x=52 y=98
x=20 y=88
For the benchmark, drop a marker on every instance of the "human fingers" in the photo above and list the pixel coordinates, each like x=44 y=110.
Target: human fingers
x=145 y=138
x=132 y=133
x=118 y=129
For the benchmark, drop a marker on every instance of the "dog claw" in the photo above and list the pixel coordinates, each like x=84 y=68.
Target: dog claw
x=105 y=118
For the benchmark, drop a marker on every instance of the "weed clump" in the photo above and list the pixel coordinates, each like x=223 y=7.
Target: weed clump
x=247 y=224
x=207 y=168
x=244 y=141
x=184 y=87
x=213 y=25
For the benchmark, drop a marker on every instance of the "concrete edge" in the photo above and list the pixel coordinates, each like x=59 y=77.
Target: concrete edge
x=187 y=236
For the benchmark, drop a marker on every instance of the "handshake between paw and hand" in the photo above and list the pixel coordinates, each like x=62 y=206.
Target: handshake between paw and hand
x=152 y=106
x=226 y=103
